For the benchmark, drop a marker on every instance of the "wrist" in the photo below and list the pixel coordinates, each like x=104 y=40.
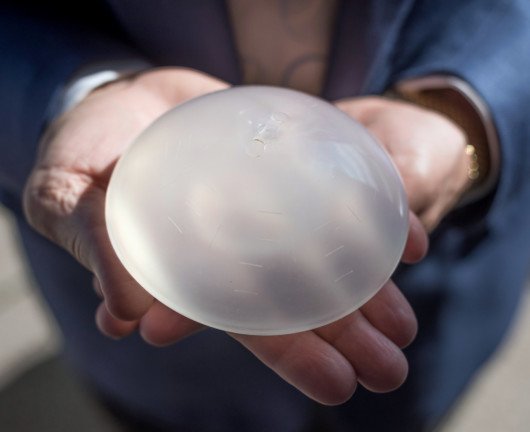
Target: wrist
x=87 y=80
x=456 y=100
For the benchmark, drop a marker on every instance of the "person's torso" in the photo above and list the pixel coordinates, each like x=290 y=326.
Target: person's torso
x=283 y=43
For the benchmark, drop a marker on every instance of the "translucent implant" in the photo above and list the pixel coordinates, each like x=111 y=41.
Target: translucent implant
x=258 y=210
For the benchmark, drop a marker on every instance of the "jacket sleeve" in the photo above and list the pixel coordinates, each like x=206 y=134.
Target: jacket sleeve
x=487 y=44
x=40 y=49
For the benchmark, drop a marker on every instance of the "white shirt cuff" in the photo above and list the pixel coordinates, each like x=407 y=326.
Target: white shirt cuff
x=88 y=79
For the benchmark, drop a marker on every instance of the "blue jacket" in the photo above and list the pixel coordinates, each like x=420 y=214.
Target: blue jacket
x=466 y=290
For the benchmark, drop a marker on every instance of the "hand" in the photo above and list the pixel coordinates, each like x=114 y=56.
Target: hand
x=65 y=193
x=427 y=148
x=64 y=200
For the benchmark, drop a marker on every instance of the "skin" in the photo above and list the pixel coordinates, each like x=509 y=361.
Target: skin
x=427 y=148
x=64 y=200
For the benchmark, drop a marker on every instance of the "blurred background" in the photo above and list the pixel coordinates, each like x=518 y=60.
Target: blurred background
x=39 y=392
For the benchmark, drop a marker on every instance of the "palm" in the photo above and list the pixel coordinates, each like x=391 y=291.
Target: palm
x=64 y=199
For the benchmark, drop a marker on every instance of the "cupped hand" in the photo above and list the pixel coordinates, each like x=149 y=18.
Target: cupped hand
x=65 y=193
x=64 y=200
x=427 y=148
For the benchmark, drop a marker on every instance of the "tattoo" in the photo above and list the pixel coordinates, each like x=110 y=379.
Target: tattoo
x=283 y=42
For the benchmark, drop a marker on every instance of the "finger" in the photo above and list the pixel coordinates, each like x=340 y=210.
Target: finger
x=124 y=297
x=180 y=84
x=448 y=198
x=111 y=326
x=69 y=209
x=97 y=287
x=162 y=326
x=379 y=363
x=390 y=313
x=307 y=362
x=417 y=241
x=431 y=217
x=361 y=109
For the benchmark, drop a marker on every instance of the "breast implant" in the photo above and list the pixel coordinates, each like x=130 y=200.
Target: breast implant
x=258 y=210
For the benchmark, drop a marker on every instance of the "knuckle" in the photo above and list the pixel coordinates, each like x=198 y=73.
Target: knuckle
x=117 y=309
x=74 y=245
x=55 y=191
x=50 y=198
x=123 y=308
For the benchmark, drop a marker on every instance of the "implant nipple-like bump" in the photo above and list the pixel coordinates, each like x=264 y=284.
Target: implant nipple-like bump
x=267 y=132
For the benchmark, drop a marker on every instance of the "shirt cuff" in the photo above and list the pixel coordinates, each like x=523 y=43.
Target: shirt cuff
x=88 y=79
